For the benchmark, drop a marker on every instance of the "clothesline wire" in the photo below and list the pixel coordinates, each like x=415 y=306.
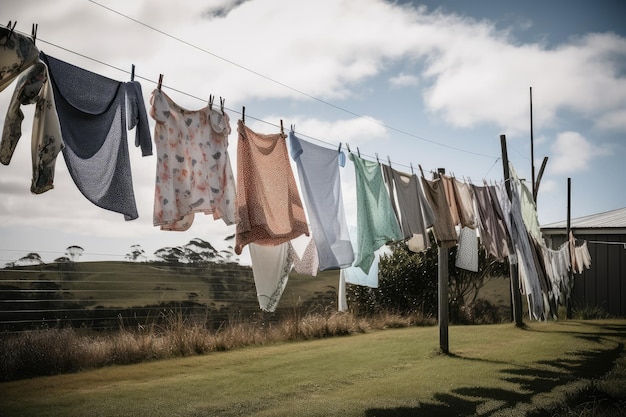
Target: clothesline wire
x=325 y=102
x=362 y=154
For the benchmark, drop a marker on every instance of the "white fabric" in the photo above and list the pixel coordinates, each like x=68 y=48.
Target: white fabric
x=270 y=267
x=318 y=172
x=467 y=251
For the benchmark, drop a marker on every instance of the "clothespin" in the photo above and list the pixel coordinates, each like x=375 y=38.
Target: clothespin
x=11 y=29
x=358 y=151
x=389 y=160
x=339 y=150
x=377 y=160
x=412 y=171
x=282 y=130
x=33 y=32
x=160 y=82
x=421 y=170
x=132 y=72
x=293 y=128
x=243 y=114
x=211 y=98
x=222 y=101
x=348 y=146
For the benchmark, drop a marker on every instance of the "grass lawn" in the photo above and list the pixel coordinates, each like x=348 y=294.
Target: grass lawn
x=493 y=370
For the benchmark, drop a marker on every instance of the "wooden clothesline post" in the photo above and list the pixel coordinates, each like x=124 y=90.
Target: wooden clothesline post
x=570 y=273
x=516 y=299
x=442 y=290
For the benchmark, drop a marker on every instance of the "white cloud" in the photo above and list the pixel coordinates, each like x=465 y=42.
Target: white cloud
x=573 y=153
x=404 y=80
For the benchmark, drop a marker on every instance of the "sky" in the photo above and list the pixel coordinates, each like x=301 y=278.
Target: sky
x=430 y=83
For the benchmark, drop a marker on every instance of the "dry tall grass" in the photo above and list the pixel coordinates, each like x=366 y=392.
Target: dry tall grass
x=61 y=350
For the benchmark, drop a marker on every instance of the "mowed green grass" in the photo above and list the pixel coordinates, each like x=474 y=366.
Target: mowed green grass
x=397 y=372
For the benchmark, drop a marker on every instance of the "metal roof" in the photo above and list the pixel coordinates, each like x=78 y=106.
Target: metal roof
x=609 y=219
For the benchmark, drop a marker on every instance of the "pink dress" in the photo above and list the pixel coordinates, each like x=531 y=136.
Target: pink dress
x=193 y=173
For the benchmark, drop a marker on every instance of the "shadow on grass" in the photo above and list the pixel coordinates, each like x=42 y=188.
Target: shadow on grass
x=543 y=377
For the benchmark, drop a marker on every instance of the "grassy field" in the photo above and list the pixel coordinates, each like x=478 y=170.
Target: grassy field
x=492 y=370
x=95 y=294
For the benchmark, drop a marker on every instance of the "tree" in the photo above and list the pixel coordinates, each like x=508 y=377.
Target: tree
x=74 y=252
x=30 y=259
x=408 y=282
x=137 y=254
x=464 y=285
x=171 y=255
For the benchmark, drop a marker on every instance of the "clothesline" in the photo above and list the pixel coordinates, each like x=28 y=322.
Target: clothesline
x=133 y=73
x=608 y=243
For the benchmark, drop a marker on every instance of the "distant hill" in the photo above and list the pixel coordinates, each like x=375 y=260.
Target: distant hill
x=107 y=294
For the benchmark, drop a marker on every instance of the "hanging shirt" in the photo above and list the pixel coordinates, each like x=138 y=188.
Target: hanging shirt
x=491 y=222
x=413 y=211
x=443 y=227
x=376 y=222
x=268 y=204
x=92 y=112
x=33 y=87
x=318 y=172
x=193 y=173
x=464 y=198
x=17 y=53
x=448 y=186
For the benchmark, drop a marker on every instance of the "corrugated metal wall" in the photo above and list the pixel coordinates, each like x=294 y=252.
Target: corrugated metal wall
x=604 y=284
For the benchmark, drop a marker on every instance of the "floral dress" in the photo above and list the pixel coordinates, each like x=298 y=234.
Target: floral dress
x=193 y=172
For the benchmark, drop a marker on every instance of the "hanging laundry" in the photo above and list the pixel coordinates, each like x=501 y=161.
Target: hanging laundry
x=92 y=112
x=376 y=222
x=17 y=54
x=491 y=222
x=528 y=206
x=268 y=204
x=413 y=210
x=448 y=186
x=33 y=87
x=305 y=262
x=318 y=172
x=270 y=268
x=443 y=227
x=193 y=172
x=581 y=258
x=467 y=251
x=355 y=275
x=529 y=268
x=464 y=197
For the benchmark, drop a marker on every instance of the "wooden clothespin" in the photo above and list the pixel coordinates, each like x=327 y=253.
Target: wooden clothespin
x=339 y=150
x=160 y=82
x=211 y=98
x=282 y=129
x=421 y=170
x=33 y=32
x=348 y=146
x=293 y=128
x=377 y=160
x=411 y=165
x=389 y=160
x=243 y=114
x=222 y=101
x=358 y=151
x=132 y=72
